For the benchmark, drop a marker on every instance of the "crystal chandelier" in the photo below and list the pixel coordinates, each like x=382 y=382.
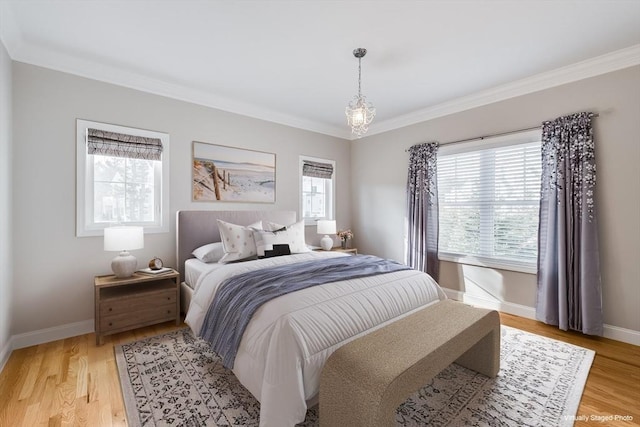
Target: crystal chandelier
x=359 y=112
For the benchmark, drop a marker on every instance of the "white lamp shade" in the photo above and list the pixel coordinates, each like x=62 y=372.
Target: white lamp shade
x=326 y=227
x=123 y=238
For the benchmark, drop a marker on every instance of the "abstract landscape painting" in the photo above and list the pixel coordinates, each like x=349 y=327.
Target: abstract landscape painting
x=229 y=174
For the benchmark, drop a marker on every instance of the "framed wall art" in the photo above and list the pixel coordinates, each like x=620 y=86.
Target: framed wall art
x=229 y=174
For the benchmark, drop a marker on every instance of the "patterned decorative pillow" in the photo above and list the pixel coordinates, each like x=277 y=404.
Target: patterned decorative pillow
x=238 y=241
x=292 y=235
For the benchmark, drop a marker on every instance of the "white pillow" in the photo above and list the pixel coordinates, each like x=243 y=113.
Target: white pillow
x=292 y=235
x=209 y=253
x=238 y=241
x=272 y=226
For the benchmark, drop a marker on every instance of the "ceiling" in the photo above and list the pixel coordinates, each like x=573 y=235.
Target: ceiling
x=291 y=62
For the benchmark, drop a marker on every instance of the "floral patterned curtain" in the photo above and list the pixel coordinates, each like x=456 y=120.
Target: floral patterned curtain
x=569 y=289
x=422 y=209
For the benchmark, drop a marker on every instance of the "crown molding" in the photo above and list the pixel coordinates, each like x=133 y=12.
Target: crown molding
x=603 y=64
x=29 y=53
x=10 y=34
x=22 y=51
x=36 y=55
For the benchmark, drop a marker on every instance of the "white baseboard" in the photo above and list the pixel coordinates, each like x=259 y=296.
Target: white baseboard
x=44 y=335
x=5 y=352
x=52 y=334
x=504 y=306
x=622 y=334
x=612 y=332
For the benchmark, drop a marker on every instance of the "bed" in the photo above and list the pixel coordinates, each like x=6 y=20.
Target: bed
x=288 y=339
x=197 y=228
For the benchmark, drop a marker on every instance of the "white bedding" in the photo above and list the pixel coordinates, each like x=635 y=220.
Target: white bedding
x=194 y=268
x=289 y=338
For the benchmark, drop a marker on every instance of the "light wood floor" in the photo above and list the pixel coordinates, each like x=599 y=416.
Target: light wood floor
x=73 y=382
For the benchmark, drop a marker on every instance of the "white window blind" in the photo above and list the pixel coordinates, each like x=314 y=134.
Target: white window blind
x=489 y=197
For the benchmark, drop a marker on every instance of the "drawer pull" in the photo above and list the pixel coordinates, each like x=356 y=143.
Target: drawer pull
x=110 y=324
x=110 y=309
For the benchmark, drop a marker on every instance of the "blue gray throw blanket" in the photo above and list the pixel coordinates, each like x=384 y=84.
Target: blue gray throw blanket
x=240 y=296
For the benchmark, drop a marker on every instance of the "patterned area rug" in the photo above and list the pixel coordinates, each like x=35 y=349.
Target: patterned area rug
x=176 y=380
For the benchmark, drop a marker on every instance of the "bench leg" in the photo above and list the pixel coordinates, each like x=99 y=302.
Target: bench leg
x=484 y=357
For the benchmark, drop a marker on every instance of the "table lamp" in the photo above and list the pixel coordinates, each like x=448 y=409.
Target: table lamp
x=123 y=239
x=326 y=227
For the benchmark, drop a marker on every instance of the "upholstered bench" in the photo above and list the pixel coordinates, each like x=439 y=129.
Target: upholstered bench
x=364 y=381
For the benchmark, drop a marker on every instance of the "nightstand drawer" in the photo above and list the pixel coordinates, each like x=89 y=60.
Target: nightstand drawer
x=122 y=304
x=131 y=303
x=138 y=317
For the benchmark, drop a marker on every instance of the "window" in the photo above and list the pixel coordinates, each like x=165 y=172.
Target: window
x=317 y=189
x=489 y=195
x=122 y=178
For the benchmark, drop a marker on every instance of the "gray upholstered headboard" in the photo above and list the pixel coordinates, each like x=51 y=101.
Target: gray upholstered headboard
x=197 y=228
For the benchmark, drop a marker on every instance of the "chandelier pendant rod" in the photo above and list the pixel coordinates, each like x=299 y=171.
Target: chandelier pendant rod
x=359 y=77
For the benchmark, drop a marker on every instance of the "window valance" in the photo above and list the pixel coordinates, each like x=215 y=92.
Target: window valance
x=115 y=144
x=317 y=169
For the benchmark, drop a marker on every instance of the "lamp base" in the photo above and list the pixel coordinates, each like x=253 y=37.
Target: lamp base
x=326 y=243
x=124 y=265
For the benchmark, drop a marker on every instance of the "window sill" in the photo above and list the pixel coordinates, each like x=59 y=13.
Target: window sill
x=313 y=222
x=99 y=231
x=488 y=263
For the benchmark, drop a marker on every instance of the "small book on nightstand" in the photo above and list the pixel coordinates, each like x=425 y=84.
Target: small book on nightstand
x=154 y=272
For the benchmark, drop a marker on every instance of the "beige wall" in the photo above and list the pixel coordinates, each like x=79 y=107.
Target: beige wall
x=379 y=165
x=56 y=269
x=6 y=263
x=55 y=282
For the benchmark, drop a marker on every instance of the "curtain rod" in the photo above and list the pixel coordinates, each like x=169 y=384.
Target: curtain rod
x=493 y=135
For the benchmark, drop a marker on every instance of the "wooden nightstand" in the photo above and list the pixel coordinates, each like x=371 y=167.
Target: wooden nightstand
x=139 y=300
x=347 y=250
x=339 y=249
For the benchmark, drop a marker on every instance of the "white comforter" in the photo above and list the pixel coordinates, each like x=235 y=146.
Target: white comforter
x=289 y=338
